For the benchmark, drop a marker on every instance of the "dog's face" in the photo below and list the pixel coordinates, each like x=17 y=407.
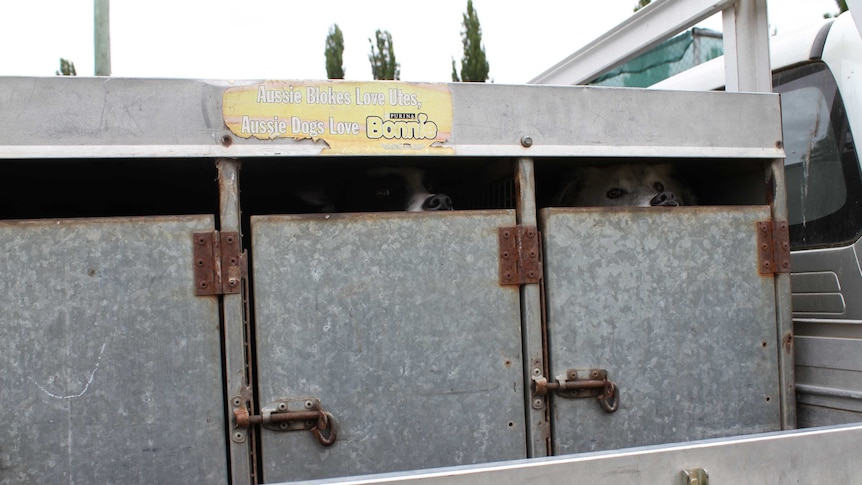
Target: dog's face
x=628 y=185
x=392 y=189
x=378 y=190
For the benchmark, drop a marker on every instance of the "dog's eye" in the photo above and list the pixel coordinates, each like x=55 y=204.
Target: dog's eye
x=382 y=193
x=658 y=187
x=615 y=193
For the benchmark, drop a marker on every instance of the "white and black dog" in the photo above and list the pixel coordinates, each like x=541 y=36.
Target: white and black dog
x=626 y=185
x=378 y=190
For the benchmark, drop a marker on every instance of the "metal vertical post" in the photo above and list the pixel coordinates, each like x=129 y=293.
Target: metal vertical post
x=102 y=37
x=746 y=47
x=783 y=309
x=237 y=375
x=538 y=429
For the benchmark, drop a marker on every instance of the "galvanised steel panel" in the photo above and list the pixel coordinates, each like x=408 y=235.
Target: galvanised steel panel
x=110 y=365
x=671 y=303
x=398 y=324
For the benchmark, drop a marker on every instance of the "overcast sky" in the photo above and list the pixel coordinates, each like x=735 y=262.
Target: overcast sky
x=284 y=39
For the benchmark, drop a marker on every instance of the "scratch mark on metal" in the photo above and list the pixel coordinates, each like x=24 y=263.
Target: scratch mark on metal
x=86 y=386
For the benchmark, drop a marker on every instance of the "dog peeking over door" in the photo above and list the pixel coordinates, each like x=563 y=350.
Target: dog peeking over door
x=625 y=185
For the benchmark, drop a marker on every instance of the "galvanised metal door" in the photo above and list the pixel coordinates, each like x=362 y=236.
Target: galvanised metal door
x=110 y=365
x=670 y=303
x=397 y=324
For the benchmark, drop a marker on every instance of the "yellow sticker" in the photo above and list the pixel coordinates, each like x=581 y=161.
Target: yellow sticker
x=351 y=117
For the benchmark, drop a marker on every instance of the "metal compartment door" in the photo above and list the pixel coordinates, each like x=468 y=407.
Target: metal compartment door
x=397 y=323
x=110 y=365
x=671 y=304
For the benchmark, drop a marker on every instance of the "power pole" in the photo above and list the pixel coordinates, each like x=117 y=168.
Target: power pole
x=102 y=36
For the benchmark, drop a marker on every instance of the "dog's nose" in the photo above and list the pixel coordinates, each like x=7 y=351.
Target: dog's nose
x=665 y=199
x=437 y=202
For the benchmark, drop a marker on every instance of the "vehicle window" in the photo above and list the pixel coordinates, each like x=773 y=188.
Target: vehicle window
x=821 y=168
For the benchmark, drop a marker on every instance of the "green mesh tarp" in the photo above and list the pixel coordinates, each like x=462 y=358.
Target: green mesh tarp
x=668 y=58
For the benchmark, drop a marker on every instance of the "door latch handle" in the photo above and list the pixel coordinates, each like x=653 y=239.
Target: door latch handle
x=581 y=383
x=291 y=415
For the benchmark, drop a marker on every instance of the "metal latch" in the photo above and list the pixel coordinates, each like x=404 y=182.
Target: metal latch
x=773 y=247
x=218 y=264
x=520 y=255
x=305 y=414
x=581 y=383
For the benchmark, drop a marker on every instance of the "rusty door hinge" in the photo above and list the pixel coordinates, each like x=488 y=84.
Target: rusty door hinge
x=773 y=247
x=520 y=255
x=219 y=266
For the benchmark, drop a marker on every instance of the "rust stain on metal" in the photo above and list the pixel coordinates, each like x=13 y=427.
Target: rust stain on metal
x=242 y=417
x=773 y=247
x=520 y=255
x=781 y=238
x=787 y=342
x=218 y=263
x=204 y=263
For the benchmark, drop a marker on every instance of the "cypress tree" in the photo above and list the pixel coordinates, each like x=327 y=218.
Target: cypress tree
x=334 y=53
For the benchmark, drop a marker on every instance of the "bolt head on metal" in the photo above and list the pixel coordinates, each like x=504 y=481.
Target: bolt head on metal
x=526 y=141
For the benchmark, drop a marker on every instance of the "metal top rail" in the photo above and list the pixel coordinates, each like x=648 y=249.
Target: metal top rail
x=173 y=118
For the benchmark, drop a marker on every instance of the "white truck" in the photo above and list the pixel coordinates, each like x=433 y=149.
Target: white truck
x=173 y=311
x=816 y=71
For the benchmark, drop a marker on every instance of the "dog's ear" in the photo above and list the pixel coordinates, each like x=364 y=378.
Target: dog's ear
x=687 y=194
x=317 y=198
x=683 y=191
x=572 y=183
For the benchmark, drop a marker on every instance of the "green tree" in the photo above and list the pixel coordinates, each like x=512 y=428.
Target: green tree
x=382 y=57
x=455 y=77
x=641 y=4
x=334 y=53
x=474 y=64
x=67 y=68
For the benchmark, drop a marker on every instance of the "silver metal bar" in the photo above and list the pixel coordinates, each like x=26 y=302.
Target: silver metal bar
x=538 y=427
x=236 y=374
x=115 y=118
x=828 y=391
x=818 y=455
x=783 y=307
x=102 y=36
x=642 y=31
x=746 y=47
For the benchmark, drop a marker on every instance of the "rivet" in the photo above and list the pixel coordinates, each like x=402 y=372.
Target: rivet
x=526 y=141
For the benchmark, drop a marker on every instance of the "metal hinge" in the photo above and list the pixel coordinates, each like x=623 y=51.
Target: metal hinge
x=773 y=245
x=219 y=266
x=520 y=255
